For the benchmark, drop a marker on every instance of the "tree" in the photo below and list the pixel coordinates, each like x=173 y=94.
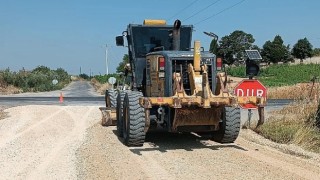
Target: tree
x=84 y=76
x=125 y=60
x=316 y=52
x=41 y=69
x=275 y=51
x=214 y=46
x=61 y=75
x=302 y=49
x=232 y=47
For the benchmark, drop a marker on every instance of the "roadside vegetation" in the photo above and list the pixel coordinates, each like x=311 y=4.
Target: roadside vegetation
x=278 y=75
x=286 y=81
x=295 y=124
x=100 y=82
x=36 y=80
x=98 y=86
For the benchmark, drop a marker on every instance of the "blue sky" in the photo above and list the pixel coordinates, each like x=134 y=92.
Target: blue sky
x=73 y=33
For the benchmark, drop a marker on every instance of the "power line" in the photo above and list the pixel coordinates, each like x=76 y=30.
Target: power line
x=198 y=12
x=220 y=12
x=182 y=9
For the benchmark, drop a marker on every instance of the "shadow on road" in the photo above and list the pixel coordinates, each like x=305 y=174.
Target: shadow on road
x=164 y=141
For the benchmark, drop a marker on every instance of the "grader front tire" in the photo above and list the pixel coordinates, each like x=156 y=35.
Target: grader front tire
x=133 y=120
x=119 y=112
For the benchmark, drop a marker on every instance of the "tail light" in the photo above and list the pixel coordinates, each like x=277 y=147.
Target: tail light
x=162 y=63
x=219 y=64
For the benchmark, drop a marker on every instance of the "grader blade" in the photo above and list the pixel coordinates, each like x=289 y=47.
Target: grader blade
x=195 y=116
x=108 y=116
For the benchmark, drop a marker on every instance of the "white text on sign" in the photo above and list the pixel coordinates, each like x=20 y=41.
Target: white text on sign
x=250 y=92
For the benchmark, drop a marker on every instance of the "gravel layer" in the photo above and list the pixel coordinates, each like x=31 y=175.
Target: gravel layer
x=39 y=142
x=68 y=142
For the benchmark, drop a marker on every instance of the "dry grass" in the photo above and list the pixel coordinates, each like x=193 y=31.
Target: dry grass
x=300 y=109
x=2 y=114
x=294 y=124
x=299 y=92
x=8 y=89
x=4 y=90
x=100 y=88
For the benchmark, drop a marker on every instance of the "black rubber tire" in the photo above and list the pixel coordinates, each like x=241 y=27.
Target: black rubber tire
x=111 y=98
x=119 y=112
x=229 y=127
x=133 y=120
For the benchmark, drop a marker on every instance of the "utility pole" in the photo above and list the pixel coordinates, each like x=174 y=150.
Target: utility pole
x=107 y=67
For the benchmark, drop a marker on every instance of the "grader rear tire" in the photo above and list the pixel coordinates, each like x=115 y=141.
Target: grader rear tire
x=119 y=112
x=133 y=120
x=229 y=127
x=111 y=98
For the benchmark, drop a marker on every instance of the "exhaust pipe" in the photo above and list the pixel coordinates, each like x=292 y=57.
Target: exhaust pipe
x=176 y=35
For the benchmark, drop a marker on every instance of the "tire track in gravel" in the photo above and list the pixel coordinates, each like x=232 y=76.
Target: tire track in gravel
x=46 y=150
x=75 y=135
x=298 y=166
x=12 y=136
x=182 y=156
x=103 y=156
x=24 y=153
x=152 y=168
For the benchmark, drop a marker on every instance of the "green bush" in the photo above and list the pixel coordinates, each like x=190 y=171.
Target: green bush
x=280 y=131
x=239 y=71
x=39 y=79
x=104 y=78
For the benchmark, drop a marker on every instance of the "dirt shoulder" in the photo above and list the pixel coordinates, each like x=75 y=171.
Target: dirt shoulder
x=182 y=156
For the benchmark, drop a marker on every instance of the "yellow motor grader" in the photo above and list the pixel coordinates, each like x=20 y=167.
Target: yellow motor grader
x=173 y=86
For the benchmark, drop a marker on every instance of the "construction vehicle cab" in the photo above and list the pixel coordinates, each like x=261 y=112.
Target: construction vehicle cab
x=173 y=86
x=153 y=35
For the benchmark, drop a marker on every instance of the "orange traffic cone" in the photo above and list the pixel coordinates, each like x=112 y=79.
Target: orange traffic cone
x=61 y=98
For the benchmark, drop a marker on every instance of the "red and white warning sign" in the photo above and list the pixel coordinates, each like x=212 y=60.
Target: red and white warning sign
x=250 y=87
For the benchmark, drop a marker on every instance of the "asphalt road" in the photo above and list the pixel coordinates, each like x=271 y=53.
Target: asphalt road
x=81 y=93
x=77 y=93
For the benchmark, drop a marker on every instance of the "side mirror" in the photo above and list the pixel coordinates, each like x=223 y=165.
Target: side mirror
x=119 y=41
